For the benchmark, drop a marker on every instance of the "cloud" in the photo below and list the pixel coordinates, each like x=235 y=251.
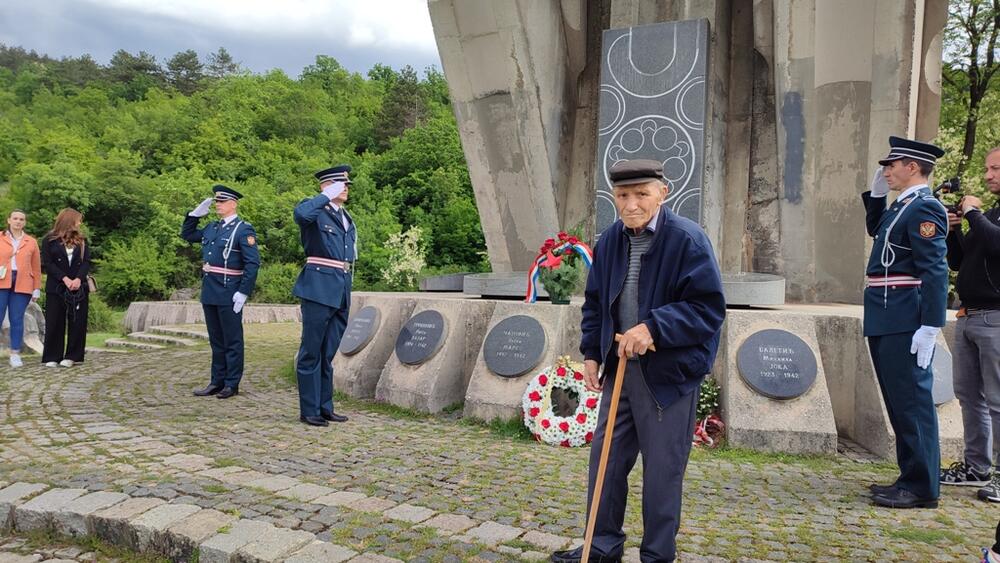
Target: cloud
x=261 y=34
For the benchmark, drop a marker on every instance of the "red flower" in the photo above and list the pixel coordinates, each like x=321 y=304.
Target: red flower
x=589 y=437
x=564 y=443
x=561 y=371
x=592 y=403
x=535 y=396
x=577 y=375
x=533 y=412
x=581 y=418
x=563 y=236
x=542 y=380
x=546 y=423
x=574 y=240
x=564 y=426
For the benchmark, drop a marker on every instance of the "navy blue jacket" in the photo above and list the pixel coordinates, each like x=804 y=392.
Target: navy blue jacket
x=323 y=235
x=917 y=248
x=218 y=289
x=680 y=301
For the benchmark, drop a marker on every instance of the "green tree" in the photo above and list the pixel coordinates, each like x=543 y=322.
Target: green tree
x=185 y=72
x=221 y=64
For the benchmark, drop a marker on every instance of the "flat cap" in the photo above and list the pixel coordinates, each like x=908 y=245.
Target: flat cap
x=225 y=193
x=906 y=148
x=338 y=173
x=640 y=171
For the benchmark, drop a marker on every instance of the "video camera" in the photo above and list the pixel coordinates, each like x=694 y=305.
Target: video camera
x=949 y=186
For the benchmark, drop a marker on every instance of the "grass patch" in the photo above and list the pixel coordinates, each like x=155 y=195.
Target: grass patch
x=215 y=489
x=227 y=462
x=97 y=339
x=286 y=374
x=924 y=535
x=48 y=540
x=513 y=429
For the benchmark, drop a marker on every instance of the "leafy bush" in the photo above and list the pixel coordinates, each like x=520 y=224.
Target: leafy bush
x=100 y=317
x=275 y=282
x=136 y=270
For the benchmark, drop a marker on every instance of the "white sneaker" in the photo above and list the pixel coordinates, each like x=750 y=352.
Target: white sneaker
x=15 y=361
x=66 y=363
x=51 y=365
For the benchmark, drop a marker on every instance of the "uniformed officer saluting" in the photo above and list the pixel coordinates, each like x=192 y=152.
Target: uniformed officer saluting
x=907 y=287
x=324 y=286
x=231 y=259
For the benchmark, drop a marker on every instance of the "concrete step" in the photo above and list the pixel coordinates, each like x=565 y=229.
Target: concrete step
x=123 y=343
x=102 y=350
x=163 y=339
x=179 y=331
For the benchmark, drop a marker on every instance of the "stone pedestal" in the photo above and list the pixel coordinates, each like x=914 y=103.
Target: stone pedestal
x=490 y=396
x=801 y=425
x=357 y=375
x=34 y=330
x=442 y=380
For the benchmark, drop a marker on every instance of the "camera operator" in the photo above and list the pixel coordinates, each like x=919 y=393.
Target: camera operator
x=976 y=361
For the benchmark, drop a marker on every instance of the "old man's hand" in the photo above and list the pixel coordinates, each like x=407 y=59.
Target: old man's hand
x=635 y=341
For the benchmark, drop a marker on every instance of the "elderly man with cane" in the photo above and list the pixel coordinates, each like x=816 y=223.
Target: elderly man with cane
x=655 y=289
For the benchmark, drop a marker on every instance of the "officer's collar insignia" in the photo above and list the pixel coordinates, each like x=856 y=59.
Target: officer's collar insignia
x=251 y=240
x=928 y=229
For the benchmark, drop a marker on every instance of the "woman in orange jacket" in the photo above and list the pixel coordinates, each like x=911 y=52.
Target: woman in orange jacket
x=20 y=278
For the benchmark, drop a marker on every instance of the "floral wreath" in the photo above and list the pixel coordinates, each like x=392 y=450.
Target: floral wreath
x=550 y=255
x=544 y=424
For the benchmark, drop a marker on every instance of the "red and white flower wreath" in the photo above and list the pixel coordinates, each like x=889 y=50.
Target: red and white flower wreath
x=544 y=424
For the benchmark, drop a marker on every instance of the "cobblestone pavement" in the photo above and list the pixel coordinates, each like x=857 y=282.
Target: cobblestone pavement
x=421 y=488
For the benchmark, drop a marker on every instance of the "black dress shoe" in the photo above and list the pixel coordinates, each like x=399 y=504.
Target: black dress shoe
x=210 y=390
x=901 y=498
x=334 y=417
x=575 y=555
x=877 y=489
x=228 y=392
x=314 y=420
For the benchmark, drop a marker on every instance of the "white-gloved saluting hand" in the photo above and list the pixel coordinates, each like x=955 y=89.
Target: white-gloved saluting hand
x=880 y=188
x=239 y=300
x=334 y=190
x=202 y=208
x=923 y=344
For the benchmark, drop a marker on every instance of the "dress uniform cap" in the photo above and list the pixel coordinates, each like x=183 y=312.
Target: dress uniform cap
x=225 y=193
x=906 y=148
x=640 y=171
x=338 y=173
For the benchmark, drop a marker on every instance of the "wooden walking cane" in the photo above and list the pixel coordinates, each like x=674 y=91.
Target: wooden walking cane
x=602 y=465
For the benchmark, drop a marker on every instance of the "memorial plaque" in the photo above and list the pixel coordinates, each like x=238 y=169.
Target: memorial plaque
x=943 y=389
x=776 y=364
x=421 y=337
x=653 y=105
x=514 y=346
x=360 y=330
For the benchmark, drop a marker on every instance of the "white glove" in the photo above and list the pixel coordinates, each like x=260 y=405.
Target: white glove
x=880 y=188
x=202 y=208
x=923 y=344
x=238 y=300
x=334 y=190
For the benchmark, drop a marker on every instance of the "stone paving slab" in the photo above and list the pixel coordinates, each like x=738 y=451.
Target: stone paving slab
x=274 y=483
x=321 y=552
x=371 y=504
x=493 y=533
x=148 y=524
x=36 y=514
x=545 y=541
x=71 y=520
x=373 y=558
x=273 y=546
x=112 y=524
x=222 y=547
x=409 y=513
x=15 y=494
x=182 y=538
x=305 y=492
x=340 y=498
x=450 y=523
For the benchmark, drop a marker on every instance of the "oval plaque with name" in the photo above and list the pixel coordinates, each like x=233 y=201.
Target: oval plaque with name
x=514 y=346
x=776 y=364
x=360 y=330
x=421 y=337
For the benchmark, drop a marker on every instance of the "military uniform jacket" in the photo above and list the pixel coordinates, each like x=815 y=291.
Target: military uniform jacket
x=324 y=236
x=218 y=250
x=909 y=241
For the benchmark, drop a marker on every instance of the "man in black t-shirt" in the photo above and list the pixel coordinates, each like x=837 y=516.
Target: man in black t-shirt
x=976 y=361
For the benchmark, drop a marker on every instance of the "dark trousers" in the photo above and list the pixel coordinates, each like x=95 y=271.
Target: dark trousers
x=225 y=334
x=906 y=389
x=61 y=315
x=664 y=439
x=322 y=329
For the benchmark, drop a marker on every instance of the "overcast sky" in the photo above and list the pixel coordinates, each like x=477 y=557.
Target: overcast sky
x=260 y=34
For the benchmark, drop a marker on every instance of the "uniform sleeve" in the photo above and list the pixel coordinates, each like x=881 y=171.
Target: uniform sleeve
x=700 y=307
x=955 y=241
x=874 y=208
x=308 y=210
x=927 y=229
x=251 y=258
x=590 y=324
x=190 y=231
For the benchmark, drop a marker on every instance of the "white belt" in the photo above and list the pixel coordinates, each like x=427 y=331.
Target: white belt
x=220 y=270
x=893 y=281
x=329 y=262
